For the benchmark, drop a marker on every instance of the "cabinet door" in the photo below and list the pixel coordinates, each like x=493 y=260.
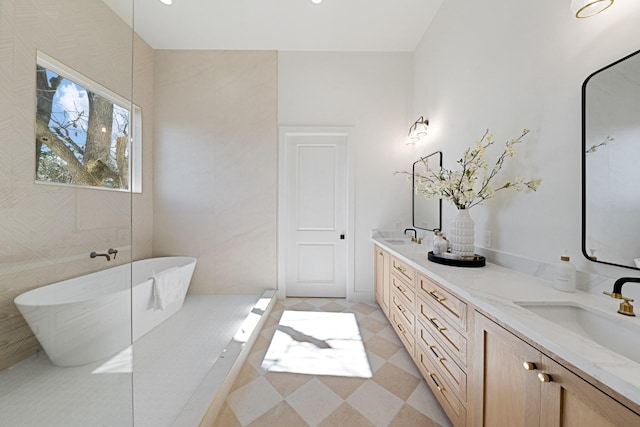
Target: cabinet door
x=505 y=392
x=570 y=401
x=382 y=277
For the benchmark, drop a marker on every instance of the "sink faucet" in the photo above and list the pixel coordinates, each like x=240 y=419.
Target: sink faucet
x=625 y=306
x=415 y=234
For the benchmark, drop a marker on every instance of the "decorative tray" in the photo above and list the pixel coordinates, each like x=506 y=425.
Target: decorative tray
x=474 y=261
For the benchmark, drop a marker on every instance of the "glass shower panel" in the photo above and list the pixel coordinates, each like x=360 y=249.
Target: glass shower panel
x=54 y=114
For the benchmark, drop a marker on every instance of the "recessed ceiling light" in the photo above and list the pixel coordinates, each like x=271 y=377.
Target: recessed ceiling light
x=316 y=1
x=167 y=2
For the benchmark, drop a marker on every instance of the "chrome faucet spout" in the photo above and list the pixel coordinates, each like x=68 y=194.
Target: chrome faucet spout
x=95 y=254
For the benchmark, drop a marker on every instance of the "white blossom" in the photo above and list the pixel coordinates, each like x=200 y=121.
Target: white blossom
x=466 y=188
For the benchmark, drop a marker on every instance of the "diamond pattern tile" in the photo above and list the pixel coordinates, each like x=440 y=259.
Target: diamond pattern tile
x=395 y=396
x=285 y=382
x=382 y=347
x=397 y=381
x=314 y=401
x=376 y=403
x=253 y=400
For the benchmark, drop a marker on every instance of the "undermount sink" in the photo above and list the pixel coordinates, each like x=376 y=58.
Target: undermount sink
x=603 y=329
x=398 y=241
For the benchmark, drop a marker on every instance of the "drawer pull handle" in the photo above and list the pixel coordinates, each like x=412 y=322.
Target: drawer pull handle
x=436 y=297
x=401 y=328
x=439 y=328
x=529 y=366
x=435 y=381
x=440 y=358
x=400 y=288
x=545 y=378
x=402 y=310
x=401 y=269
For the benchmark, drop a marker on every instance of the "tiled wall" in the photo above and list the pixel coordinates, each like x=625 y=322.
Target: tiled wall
x=216 y=146
x=46 y=231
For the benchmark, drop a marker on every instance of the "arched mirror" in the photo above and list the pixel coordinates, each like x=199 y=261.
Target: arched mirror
x=610 y=157
x=427 y=213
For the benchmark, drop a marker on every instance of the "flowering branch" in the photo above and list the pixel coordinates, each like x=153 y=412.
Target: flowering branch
x=594 y=147
x=459 y=187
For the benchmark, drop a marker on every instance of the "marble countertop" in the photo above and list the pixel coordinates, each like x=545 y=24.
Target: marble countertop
x=495 y=290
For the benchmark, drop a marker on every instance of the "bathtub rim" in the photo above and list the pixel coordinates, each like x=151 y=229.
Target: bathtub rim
x=22 y=300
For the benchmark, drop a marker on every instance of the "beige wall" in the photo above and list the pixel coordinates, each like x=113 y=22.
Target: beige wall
x=142 y=207
x=46 y=231
x=215 y=166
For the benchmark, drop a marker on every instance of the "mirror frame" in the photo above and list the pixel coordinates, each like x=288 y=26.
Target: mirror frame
x=584 y=163
x=413 y=193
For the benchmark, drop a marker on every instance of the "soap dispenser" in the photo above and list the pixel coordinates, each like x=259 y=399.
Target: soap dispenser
x=565 y=280
x=437 y=238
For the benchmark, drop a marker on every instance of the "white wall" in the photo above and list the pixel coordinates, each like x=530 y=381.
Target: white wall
x=371 y=92
x=215 y=166
x=507 y=66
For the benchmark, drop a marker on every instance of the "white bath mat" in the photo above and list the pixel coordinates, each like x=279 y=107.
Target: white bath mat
x=316 y=343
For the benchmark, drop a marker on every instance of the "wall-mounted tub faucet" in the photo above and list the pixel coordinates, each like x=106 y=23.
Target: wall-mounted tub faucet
x=625 y=306
x=113 y=252
x=95 y=254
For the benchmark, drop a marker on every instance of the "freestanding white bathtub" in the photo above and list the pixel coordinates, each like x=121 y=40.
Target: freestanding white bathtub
x=89 y=318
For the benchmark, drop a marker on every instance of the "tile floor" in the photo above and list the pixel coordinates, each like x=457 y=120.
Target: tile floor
x=396 y=395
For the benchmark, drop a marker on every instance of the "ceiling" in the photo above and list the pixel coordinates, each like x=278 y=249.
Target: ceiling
x=333 y=25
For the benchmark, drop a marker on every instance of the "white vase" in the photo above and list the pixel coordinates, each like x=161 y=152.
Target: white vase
x=462 y=235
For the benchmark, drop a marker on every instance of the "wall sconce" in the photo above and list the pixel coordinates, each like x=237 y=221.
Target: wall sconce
x=587 y=8
x=418 y=130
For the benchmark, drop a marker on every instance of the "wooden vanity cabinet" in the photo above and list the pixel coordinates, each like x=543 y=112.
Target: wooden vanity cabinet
x=517 y=385
x=482 y=374
x=441 y=345
x=382 y=260
x=402 y=305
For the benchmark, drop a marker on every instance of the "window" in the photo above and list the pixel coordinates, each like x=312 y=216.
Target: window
x=86 y=135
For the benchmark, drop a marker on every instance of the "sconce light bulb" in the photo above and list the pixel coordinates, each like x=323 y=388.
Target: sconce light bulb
x=418 y=130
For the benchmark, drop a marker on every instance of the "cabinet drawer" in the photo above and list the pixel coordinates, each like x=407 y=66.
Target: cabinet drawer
x=452 y=406
x=445 y=364
x=403 y=330
x=453 y=341
x=406 y=312
x=450 y=306
x=403 y=270
x=404 y=291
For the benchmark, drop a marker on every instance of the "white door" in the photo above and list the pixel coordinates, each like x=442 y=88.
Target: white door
x=316 y=214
